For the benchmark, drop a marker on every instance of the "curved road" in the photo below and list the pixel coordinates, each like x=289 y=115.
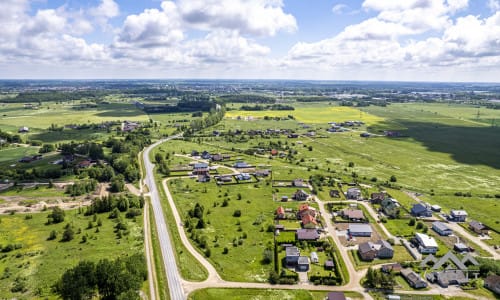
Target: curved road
x=167 y=251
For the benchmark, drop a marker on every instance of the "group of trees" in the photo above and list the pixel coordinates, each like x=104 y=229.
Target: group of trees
x=118 y=279
x=213 y=118
x=375 y=278
x=81 y=187
x=108 y=203
x=247 y=98
x=267 y=107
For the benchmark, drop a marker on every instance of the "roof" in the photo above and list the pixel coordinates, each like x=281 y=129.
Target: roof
x=492 y=281
x=411 y=276
x=418 y=208
x=360 y=228
x=392 y=267
x=353 y=190
x=477 y=225
x=460 y=246
x=307 y=218
x=303 y=206
x=354 y=213
x=458 y=213
x=314 y=255
x=365 y=247
x=307 y=234
x=385 y=244
x=303 y=260
x=440 y=226
x=336 y=296
x=449 y=276
x=280 y=210
x=292 y=251
x=329 y=263
x=200 y=165
x=449 y=256
x=426 y=241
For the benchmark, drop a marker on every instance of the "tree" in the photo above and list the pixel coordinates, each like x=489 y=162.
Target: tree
x=420 y=225
x=158 y=158
x=267 y=256
x=52 y=236
x=411 y=222
x=117 y=184
x=56 y=216
x=351 y=164
x=393 y=178
x=68 y=234
x=237 y=213
x=77 y=283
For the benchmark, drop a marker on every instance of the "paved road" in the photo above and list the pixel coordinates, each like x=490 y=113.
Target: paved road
x=167 y=251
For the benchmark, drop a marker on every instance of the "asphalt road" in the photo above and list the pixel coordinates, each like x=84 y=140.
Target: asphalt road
x=167 y=250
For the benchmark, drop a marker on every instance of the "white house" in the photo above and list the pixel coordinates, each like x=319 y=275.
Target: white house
x=427 y=244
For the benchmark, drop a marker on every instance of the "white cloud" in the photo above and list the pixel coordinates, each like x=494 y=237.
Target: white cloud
x=339 y=8
x=258 y=17
x=107 y=9
x=494 y=5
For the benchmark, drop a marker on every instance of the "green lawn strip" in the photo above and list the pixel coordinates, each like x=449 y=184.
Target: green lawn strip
x=247 y=294
x=189 y=266
x=41 y=262
x=38 y=191
x=400 y=227
x=161 y=280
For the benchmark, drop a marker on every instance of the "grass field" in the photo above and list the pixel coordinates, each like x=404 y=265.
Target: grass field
x=41 y=262
x=271 y=294
x=400 y=255
x=13 y=154
x=38 y=191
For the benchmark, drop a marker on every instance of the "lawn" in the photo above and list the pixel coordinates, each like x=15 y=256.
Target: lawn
x=400 y=255
x=271 y=294
x=38 y=191
x=400 y=227
x=12 y=154
x=41 y=262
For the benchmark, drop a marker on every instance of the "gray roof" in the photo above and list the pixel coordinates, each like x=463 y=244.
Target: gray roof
x=453 y=258
x=292 y=251
x=303 y=260
x=307 y=234
x=365 y=247
x=458 y=213
x=360 y=228
x=440 y=226
x=477 y=225
x=385 y=244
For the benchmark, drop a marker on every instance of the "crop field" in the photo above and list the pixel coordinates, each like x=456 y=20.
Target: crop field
x=272 y=294
x=39 y=263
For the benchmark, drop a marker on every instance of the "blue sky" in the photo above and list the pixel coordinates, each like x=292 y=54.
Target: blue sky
x=414 y=40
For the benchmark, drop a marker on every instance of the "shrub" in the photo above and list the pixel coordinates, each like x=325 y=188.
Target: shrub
x=237 y=213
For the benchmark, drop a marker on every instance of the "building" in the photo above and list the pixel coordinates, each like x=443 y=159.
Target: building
x=292 y=256
x=243 y=177
x=305 y=209
x=241 y=165
x=329 y=264
x=354 y=194
x=128 y=126
x=353 y=215
x=448 y=277
x=441 y=228
x=376 y=198
x=307 y=234
x=300 y=195
x=280 y=213
x=217 y=157
x=460 y=247
x=262 y=173
x=200 y=169
x=298 y=183
x=478 y=227
x=314 y=257
x=421 y=210
x=335 y=296
x=380 y=249
x=334 y=194
x=309 y=221
x=360 y=230
x=395 y=268
x=492 y=283
x=205 y=155
x=23 y=129
x=436 y=208
x=390 y=207
x=426 y=243
x=302 y=264
x=458 y=215
x=413 y=279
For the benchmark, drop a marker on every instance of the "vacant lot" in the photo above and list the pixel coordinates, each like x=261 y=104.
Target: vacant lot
x=247 y=294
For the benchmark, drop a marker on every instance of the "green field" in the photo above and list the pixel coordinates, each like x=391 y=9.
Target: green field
x=12 y=154
x=40 y=262
x=271 y=294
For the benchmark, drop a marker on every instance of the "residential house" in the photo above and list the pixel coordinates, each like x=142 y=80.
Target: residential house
x=284 y=198
x=421 y=210
x=329 y=264
x=492 y=283
x=292 y=256
x=241 y=165
x=280 y=213
x=360 y=230
x=302 y=264
x=309 y=221
x=441 y=228
x=413 y=279
x=225 y=178
x=458 y=215
x=436 y=208
x=217 y=157
x=305 y=209
x=243 y=177
x=395 y=268
x=128 y=126
x=448 y=277
x=307 y=234
x=262 y=173
x=354 y=194
x=205 y=155
x=298 y=183
x=427 y=244
x=84 y=164
x=314 y=257
x=274 y=152
x=23 y=129
x=376 y=198
x=300 y=195
x=390 y=207
x=335 y=296
x=195 y=153
x=200 y=169
x=478 y=227
x=334 y=194
x=204 y=178
x=460 y=247
x=293 y=135
x=353 y=215
x=379 y=249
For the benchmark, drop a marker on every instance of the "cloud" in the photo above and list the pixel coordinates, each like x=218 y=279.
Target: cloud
x=106 y=10
x=494 y=5
x=259 y=17
x=339 y=8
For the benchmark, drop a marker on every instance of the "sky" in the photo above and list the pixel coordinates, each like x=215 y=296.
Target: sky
x=381 y=40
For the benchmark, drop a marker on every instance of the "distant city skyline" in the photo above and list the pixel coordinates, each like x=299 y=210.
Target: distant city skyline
x=376 y=40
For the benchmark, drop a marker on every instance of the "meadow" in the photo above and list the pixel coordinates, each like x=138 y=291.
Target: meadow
x=247 y=294
x=39 y=263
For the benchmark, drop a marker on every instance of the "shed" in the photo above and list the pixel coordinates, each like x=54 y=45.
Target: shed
x=314 y=257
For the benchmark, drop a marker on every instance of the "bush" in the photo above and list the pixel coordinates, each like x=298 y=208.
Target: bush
x=237 y=213
x=420 y=225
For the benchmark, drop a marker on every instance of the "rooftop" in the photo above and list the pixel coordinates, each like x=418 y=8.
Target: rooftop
x=360 y=228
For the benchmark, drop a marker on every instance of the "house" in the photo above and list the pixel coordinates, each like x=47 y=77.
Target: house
x=426 y=243
x=307 y=234
x=460 y=247
x=376 y=198
x=354 y=194
x=84 y=164
x=128 y=126
x=360 y=230
x=436 y=208
x=274 y=152
x=292 y=256
x=379 y=249
x=284 y=198
x=448 y=277
x=298 y=183
x=329 y=264
x=204 y=178
x=26 y=159
x=217 y=157
x=280 y=213
x=262 y=173
x=334 y=194
x=478 y=227
x=314 y=257
x=395 y=268
x=305 y=209
x=241 y=165
x=353 y=215
x=243 y=176
x=300 y=195
x=335 y=296
x=302 y=264
x=413 y=279
x=441 y=228
x=309 y=221
x=195 y=153
x=421 y=210
x=205 y=155
x=293 y=135
x=23 y=129
x=390 y=207
x=225 y=178
x=492 y=283
x=458 y=215
x=200 y=169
